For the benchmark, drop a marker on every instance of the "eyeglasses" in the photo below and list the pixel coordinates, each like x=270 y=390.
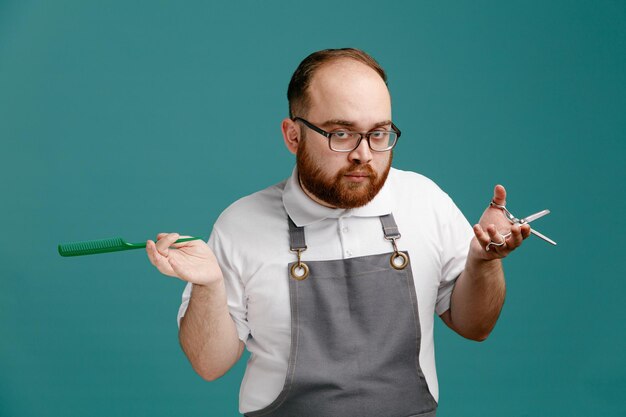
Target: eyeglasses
x=344 y=141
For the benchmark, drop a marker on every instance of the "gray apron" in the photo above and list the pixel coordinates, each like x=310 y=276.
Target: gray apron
x=355 y=337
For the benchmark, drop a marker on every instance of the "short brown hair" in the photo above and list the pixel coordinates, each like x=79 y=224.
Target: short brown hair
x=301 y=80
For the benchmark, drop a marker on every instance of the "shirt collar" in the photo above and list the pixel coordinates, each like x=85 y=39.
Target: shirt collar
x=304 y=211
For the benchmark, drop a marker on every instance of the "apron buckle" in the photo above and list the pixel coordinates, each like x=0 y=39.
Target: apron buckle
x=398 y=260
x=299 y=271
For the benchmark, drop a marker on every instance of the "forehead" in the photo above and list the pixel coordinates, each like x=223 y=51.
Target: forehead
x=348 y=90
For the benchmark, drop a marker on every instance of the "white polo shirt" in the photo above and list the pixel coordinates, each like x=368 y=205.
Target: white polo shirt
x=251 y=242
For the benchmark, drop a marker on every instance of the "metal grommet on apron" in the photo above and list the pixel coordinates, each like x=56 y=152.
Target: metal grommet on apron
x=299 y=270
x=355 y=337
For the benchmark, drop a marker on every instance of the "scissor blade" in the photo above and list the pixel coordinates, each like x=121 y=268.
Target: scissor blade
x=539 y=235
x=535 y=216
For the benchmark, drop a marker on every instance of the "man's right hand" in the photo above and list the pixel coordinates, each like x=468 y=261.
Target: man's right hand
x=191 y=261
x=207 y=333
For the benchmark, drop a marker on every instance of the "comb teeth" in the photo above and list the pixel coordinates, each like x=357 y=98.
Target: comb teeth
x=89 y=247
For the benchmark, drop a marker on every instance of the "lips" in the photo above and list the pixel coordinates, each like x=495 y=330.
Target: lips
x=360 y=174
x=358 y=177
x=357 y=174
x=359 y=171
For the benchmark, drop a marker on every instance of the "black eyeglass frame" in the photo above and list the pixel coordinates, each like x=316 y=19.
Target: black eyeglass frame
x=365 y=135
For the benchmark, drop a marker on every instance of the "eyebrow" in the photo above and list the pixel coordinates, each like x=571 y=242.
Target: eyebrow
x=346 y=123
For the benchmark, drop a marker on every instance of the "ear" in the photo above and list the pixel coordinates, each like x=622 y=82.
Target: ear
x=291 y=135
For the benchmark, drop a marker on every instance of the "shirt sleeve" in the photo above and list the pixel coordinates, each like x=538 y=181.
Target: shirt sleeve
x=456 y=234
x=235 y=290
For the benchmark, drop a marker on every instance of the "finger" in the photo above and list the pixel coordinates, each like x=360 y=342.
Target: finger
x=175 y=245
x=162 y=235
x=515 y=240
x=156 y=259
x=165 y=242
x=481 y=235
x=153 y=254
x=151 y=251
x=499 y=195
x=525 y=230
x=494 y=235
x=183 y=244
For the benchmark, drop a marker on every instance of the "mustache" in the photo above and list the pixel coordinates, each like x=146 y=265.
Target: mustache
x=358 y=169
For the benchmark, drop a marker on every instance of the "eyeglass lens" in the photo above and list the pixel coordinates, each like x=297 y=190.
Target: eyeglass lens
x=347 y=141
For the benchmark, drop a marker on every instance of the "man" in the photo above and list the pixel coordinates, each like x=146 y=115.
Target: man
x=331 y=278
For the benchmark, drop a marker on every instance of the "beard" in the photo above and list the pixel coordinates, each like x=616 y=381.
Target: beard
x=336 y=191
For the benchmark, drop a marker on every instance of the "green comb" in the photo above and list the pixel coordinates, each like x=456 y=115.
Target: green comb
x=116 y=244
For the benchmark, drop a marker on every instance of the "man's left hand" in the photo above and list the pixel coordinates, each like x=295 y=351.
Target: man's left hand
x=495 y=228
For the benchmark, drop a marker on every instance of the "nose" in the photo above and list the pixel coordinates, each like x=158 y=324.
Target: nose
x=362 y=154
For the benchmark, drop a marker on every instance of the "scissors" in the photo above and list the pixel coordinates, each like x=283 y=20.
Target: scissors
x=514 y=220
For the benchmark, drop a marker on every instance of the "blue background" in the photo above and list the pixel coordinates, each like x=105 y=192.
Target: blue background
x=127 y=118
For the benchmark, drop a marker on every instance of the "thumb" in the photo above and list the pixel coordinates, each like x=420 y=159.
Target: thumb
x=499 y=195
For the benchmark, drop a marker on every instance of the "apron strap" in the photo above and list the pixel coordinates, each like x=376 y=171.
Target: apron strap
x=398 y=260
x=296 y=236
x=390 y=228
x=299 y=270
